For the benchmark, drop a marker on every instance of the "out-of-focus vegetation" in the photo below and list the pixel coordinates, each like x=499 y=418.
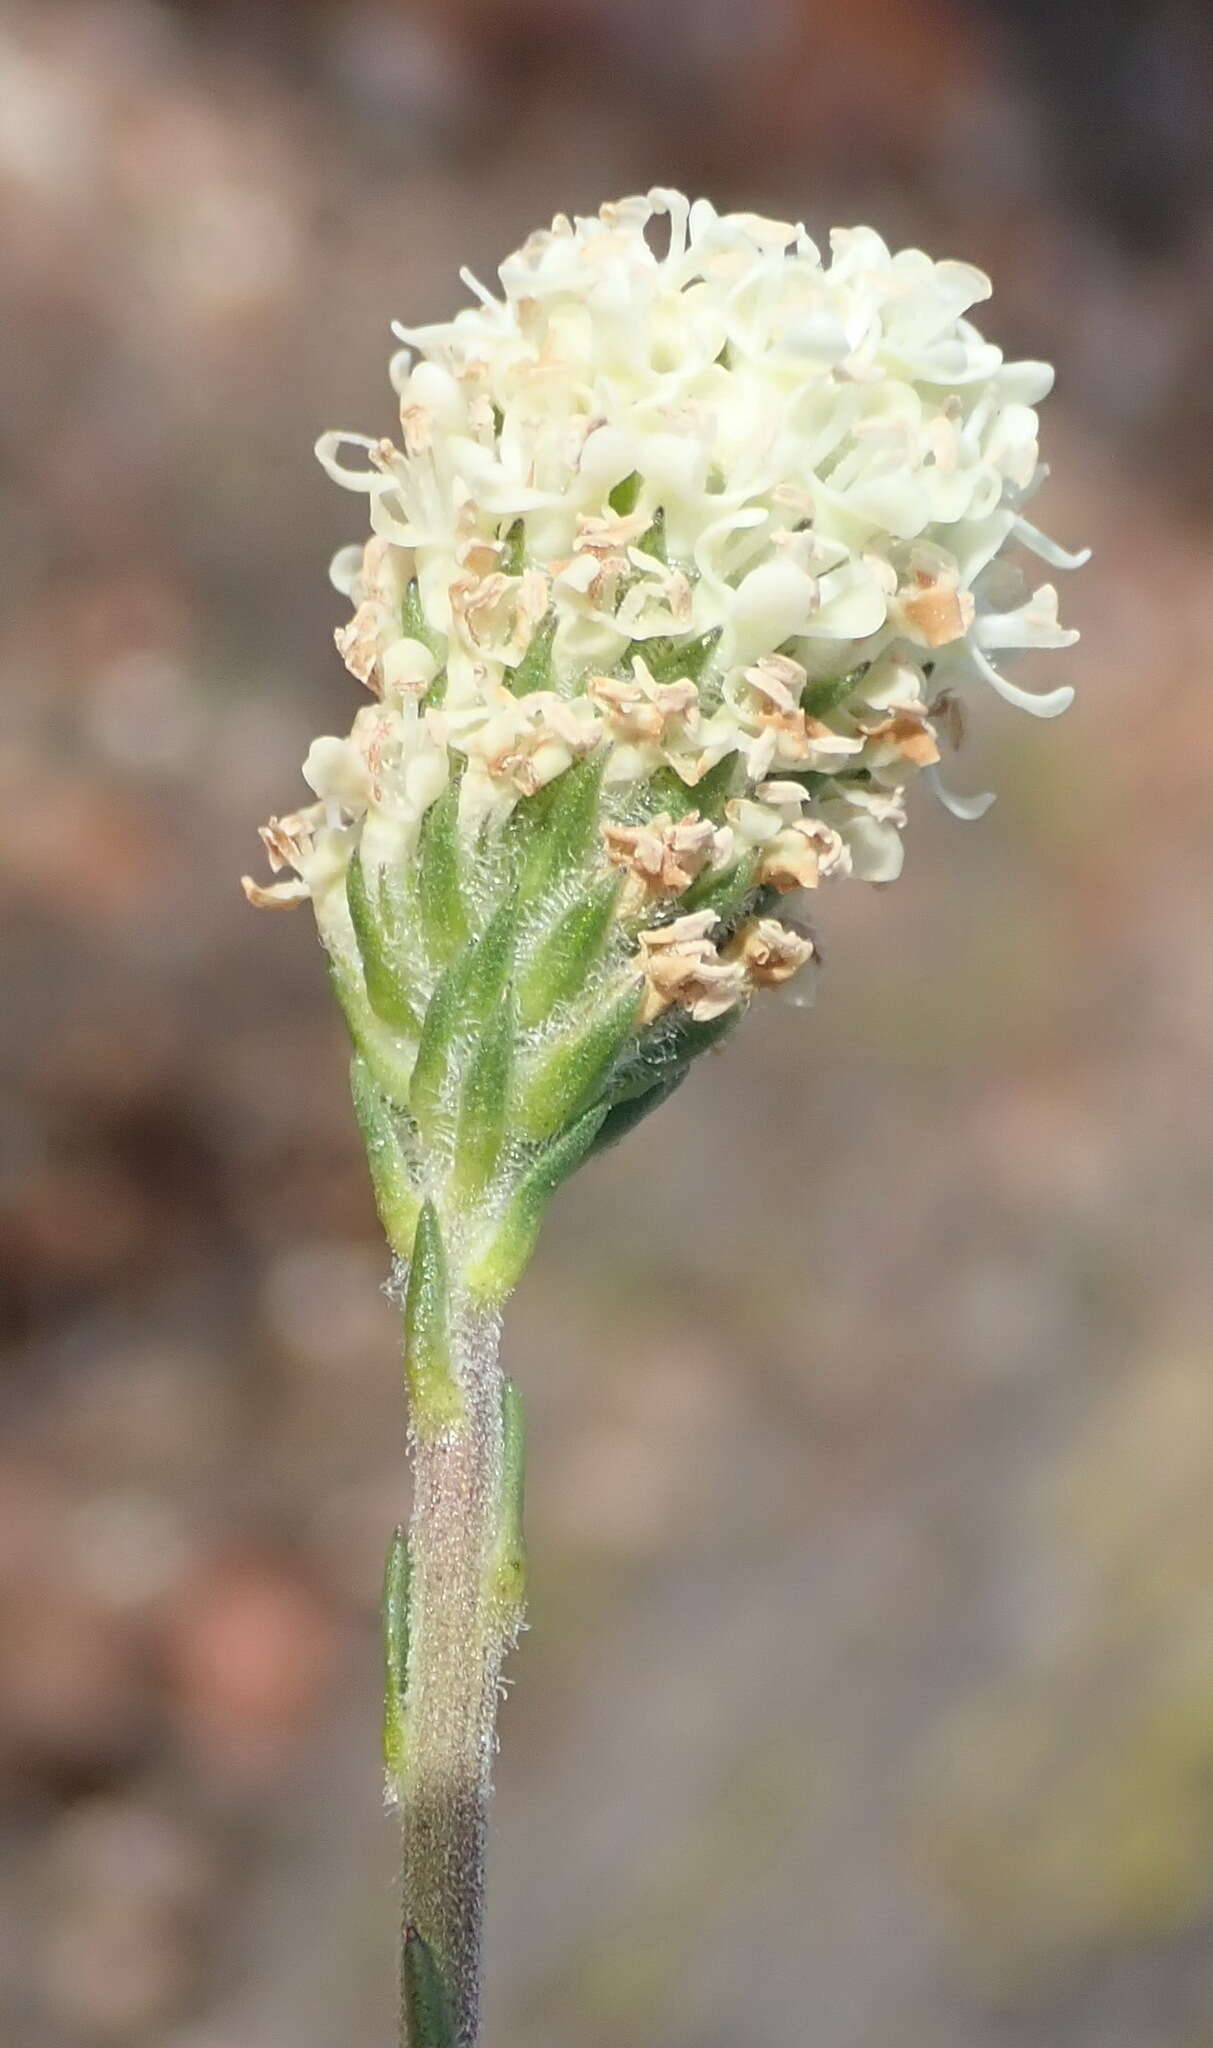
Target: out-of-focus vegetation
x=869 y=1698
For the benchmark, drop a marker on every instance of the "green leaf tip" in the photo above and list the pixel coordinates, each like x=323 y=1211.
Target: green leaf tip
x=822 y=697
x=435 y=1401
x=390 y=996
x=624 y=1115
x=414 y=622
x=514 y=560
x=507 y=1558
x=374 y=1041
x=666 y=791
x=572 y=1071
x=534 y=671
x=428 y=1085
x=501 y=1263
x=427 y=2008
x=669 y=1046
x=395 y=1660
x=439 y=885
x=488 y=963
x=671 y=656
x=724 y=890
x=561 y=963
x=626 y=492
x=653 y=541
x=467 y=994
x=484 y=1102
x=643 y=1080
x=396 y=1199
x=569 y=827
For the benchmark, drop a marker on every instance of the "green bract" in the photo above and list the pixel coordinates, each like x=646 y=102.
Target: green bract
x=503 y=1018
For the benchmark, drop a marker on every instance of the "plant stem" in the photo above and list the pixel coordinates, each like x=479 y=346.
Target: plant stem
x=457 y=1638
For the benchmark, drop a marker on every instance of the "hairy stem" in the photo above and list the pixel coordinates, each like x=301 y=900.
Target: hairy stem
x=457 y=1637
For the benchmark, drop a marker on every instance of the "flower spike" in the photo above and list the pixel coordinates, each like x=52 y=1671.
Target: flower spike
x=683 y=558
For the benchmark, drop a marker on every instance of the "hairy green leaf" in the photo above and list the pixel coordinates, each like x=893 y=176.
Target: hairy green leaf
x=396 y=1199
x=724 y=890
x=435 y=1401
x=820 y=698
x=623 y=498
x=375 y=1041
x=569 y=829
x=666 y=791
x=484 y=1102
x=560 y=964
x=395 y=1659
x=672 y=656
x=414 y=622
x=534 y=671
x=444 y=919
x=624 y=1116
x=427 y=2008
x=465 y=996
x=569 y=1075
x=503 y=1260
x=513 y=562
x=389 y=994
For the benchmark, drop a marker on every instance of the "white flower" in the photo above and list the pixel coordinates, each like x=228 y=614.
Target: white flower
x=690 y=493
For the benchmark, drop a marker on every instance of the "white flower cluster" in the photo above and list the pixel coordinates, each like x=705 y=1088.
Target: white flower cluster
x=713 y=501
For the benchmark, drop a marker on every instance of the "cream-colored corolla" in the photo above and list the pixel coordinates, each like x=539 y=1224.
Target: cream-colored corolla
x=691 y=497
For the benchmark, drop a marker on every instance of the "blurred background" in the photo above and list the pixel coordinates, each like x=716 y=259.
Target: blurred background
x=868 y=1701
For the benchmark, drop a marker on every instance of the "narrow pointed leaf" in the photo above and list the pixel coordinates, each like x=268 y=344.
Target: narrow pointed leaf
x=725 y=890
x=395 y=1659
x=502 y=1262
x=388 y=1060
x=623 y=497
x=624 y=1116
x=467 y=994
x=439 y=888
x=666 y=791
x=560 y=966
x=824 y=696
x=396 y=1198
x=534 y=671
x=713 y=790
x=428 y=1086
x=568 y=1077
x=487 y=965
x=525 y=827
x=569 y=829
x=659 y=1065
x=484 y=1102
x=413 y=619
x=513 y=561
x=671 y=657
x=435 y=1401
x=653 y=540
x=427 y=2008
x=389 y=994
x=668 y=1048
